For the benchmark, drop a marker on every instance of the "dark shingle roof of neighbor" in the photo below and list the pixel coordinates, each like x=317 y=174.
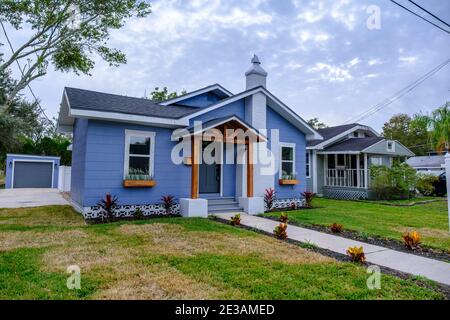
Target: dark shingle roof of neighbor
x=106 y=102
x=426 y=161
x=354 y=144
x=330 y=132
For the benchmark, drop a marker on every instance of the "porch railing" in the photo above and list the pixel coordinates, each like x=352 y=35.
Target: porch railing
x=345 y=178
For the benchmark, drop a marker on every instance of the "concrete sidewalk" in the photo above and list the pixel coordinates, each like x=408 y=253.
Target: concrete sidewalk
x=436 y=270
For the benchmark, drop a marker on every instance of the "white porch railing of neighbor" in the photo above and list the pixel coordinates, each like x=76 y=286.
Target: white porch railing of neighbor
x=345 y=178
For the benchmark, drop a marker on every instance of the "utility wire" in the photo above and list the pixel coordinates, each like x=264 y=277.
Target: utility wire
x=22 y=72
x=418 y=15
x=431 y=14
x=398 y=94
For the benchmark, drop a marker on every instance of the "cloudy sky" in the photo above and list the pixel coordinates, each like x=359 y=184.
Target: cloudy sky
x=322 y=59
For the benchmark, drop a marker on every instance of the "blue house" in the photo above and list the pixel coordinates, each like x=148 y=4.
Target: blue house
x=211 y=149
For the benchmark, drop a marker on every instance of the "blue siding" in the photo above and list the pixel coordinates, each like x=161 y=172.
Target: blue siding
x=289 y=134
x=105 y=151
x=17 y=157
x=201 y=100
x=80 y=131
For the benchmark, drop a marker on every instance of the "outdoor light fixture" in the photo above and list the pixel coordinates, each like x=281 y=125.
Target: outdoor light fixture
x=10 y=164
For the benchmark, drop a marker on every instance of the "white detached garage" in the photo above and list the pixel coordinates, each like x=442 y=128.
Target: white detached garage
x=29 y=171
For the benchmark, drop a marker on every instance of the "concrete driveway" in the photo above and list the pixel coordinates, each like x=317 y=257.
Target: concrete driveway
x=18 y=198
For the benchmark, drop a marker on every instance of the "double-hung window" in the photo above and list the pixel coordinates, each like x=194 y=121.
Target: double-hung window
x=287 y=161
x=139 y=154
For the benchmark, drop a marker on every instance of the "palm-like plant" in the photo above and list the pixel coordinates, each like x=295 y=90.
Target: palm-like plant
x=439 y=125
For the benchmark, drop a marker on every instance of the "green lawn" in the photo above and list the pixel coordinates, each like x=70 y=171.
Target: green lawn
x=430 y=220
x=170 y=258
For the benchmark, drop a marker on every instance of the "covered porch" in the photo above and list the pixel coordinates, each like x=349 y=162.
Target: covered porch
x=346 y=170
x=229 y=131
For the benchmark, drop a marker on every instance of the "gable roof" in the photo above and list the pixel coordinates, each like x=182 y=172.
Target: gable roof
x=332 y=134
x=353 y=144
x=426 y=161
x=215 y=88
x=99 y=101
x=104 y=106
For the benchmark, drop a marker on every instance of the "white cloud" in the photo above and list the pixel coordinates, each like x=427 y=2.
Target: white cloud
x=408 y=59
x=374 y=62
x=354 y=62
x=330 y=72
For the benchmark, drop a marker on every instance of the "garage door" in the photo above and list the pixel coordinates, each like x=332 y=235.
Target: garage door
x=33 y=174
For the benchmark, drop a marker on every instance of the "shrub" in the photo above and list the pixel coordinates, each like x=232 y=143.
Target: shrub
x=168 y=202
x=108 y=206
x=309 y=196
x=280 y=231
x=269 y=198
x=425 y=183
x=394 y=182
x=412 y=240
x=284 y=217
x=235 y=220
x=356 y=254
x=293 y=206
x=138 y=214
x=336 y=228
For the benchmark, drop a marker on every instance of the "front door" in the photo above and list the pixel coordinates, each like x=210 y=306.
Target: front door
x=209 y=175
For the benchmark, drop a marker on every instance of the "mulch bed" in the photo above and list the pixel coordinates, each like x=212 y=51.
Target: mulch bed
x=444 y=289
x=378 y=241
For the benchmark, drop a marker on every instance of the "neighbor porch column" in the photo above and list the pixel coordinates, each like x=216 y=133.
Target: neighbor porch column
x=366 y=171
x=195 y=150
x=358 y=172
x=249 y=169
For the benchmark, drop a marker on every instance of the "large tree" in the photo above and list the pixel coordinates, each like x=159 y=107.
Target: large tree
x=439 y=127
x=316 y=124
x=66 y=34
x=411 y=132
x=158 y=94
x=22 y=120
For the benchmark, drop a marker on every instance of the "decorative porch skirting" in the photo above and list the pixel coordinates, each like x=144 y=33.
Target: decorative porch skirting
x=127 y=211
x=345 y=193
x=287 y=203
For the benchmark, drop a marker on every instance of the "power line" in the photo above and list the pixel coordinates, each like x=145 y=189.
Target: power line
x=418 y=15
x=431 y=14
x=22 y=72
x=398 y=94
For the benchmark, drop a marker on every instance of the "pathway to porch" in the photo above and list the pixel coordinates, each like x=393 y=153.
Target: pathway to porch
x=436 y=270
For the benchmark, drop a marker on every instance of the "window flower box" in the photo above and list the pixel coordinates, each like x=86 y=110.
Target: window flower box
x=139 y=183
x=287 y=182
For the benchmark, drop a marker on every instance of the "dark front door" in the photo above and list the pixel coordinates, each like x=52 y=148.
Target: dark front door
x=33 y=175
x=209 y=176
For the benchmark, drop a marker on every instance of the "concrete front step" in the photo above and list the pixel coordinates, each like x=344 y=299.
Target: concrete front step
x=224 y=209
x=223 y=200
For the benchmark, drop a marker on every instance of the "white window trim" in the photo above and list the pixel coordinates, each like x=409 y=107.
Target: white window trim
x=393 y=146
x=138 y=133
x=308 y=172
x=289 y=145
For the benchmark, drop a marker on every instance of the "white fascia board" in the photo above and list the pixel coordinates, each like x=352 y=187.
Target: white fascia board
x=343 y=134
x=233 y=118
x=338 y=152
x=196 y=93
x=301 y=124
x=31 y=156
x=130 y=118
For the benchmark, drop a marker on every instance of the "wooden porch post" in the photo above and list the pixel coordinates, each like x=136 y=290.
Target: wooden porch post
x=194 y=166
x=249 y=169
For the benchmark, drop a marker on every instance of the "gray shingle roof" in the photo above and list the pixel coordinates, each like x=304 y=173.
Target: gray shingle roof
x=106 y=102
x=330 y=132
x=426 y=161
x=354 y=144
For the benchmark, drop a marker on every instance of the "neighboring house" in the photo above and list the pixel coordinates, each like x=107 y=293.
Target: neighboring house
x=338 y=165
x=428 y=164
x=115 y=137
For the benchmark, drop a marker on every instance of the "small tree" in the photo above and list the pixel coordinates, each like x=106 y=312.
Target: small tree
x=158 y=95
